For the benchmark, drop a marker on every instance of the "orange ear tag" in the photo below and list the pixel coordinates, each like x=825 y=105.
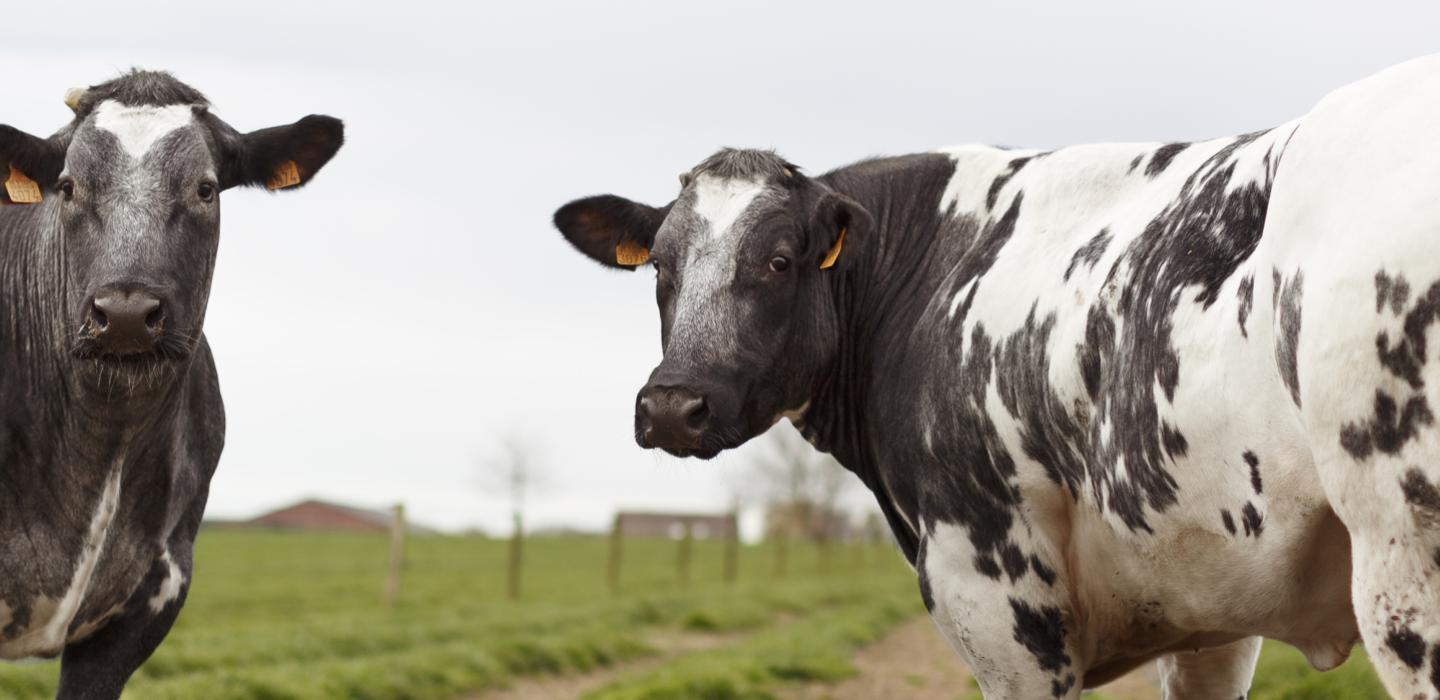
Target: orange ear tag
x=21 y=189
x=631 y=254
x=286 y=175
x=834 y=253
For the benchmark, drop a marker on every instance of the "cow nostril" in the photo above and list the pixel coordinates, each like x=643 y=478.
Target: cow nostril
x=97 y=317
x=697 y=414
x=153 y=319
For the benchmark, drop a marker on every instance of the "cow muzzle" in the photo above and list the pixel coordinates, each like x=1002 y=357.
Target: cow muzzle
x=674 y=419
x=125 y=322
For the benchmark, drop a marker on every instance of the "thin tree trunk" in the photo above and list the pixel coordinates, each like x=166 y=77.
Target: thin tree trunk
x=612 y=567
x=732 y=549
x=682 y=557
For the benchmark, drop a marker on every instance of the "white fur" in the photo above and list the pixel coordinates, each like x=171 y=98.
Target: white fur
x=703 y=316
x=139 y=128
x=721 y=201
x=1354 y=196
x=48 y=635
x=170 y=589
x=1215 y=587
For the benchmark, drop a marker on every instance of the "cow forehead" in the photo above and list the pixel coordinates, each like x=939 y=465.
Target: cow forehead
x=138 y=129
x=720 y=202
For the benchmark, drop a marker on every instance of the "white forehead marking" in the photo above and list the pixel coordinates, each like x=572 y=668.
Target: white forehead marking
x=138 y=128
x=721 y=201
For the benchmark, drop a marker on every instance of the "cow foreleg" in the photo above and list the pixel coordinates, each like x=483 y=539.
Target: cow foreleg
x=1219 y=673
x=1010 y=618
x=98 y=667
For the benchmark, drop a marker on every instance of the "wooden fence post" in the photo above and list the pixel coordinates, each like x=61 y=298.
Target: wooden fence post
x=682 y=557
x=397 y=554
x=732 y=548
x=517 y=555
x=612 y=564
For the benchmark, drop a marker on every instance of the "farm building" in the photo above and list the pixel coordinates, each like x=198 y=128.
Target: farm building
x=805 y=520
x=703 y=526
x=321 y=516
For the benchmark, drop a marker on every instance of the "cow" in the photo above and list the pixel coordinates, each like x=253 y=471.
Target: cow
x=111 y=421
x=1118 y=402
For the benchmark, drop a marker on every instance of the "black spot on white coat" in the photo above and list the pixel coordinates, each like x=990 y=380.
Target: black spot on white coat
x=1254 y=463
x=1163 y=155
x=1408 y=646
x=1090 y=253
x=1041 y=630
x=1388 y=428
x=1287 y=339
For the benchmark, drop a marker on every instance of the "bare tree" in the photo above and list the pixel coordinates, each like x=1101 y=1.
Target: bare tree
x=801 y=489
x=515 y=467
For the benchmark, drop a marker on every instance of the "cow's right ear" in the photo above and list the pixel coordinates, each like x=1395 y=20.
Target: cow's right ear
x=29 y=165
x=613 y=231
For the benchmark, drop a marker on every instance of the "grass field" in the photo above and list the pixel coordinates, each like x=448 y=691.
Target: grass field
x=287 y=616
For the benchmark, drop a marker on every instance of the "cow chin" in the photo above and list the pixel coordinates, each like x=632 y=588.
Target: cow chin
x=704 y=446
x=699 y=453
x=133 y=368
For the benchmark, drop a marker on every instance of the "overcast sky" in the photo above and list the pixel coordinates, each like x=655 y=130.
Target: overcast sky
x=378 y=331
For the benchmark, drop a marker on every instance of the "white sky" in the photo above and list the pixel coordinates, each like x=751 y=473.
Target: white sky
x=377 y=332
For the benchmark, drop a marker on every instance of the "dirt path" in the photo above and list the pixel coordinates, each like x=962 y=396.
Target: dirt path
x=671 y=646
x=914 y=662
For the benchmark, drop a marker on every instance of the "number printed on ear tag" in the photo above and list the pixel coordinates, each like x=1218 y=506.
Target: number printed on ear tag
x=21 y=189
x=631 y=253
x=287 y=175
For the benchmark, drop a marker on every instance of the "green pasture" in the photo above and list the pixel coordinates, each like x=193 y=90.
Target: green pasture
x=283 y=616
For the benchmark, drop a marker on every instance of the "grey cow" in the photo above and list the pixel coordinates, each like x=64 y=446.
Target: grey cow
x=111 y=421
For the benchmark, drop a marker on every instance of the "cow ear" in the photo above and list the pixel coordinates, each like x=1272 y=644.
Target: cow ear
x=837 y=221
x=282 y=157
x=613 y=231
x=28 y=166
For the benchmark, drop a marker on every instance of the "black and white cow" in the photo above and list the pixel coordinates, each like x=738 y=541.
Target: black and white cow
x=1119 y=402
x=110 y=415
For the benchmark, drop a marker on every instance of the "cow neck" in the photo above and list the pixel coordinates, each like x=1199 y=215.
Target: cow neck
x=57 y=428
x=879 y=298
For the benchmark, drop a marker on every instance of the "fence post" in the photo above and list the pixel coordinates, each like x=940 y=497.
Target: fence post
x=682 y=557
x=732 y=548
x=397 y=554
x=612 y=564
x=782 y=553
x=517 y=554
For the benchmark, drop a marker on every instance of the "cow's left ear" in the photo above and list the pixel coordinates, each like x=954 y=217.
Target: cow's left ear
x=29 y=165
x=282 y=157
x=836 y=221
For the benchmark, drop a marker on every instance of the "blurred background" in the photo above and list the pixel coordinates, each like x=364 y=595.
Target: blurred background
x=410 y=330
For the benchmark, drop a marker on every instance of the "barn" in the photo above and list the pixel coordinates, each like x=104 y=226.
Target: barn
x=315 y=515
x=703 y=526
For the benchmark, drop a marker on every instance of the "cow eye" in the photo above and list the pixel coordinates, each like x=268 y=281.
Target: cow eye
x=206 y=192
x=779 y=263
x=67 y=189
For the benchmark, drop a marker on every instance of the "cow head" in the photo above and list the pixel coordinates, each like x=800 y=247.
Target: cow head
x=129 y=195
x=744 y=260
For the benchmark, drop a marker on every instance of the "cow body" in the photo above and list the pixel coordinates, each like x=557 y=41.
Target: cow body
x=111 y=422
x=105 y=479
x=1118 y=402
x=1102 y=460
x=1112 y=403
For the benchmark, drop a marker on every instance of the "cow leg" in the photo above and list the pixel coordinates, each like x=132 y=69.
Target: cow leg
x=1369 y=395
x=98 y=667
x=1012 y=624
x=1219 y=673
